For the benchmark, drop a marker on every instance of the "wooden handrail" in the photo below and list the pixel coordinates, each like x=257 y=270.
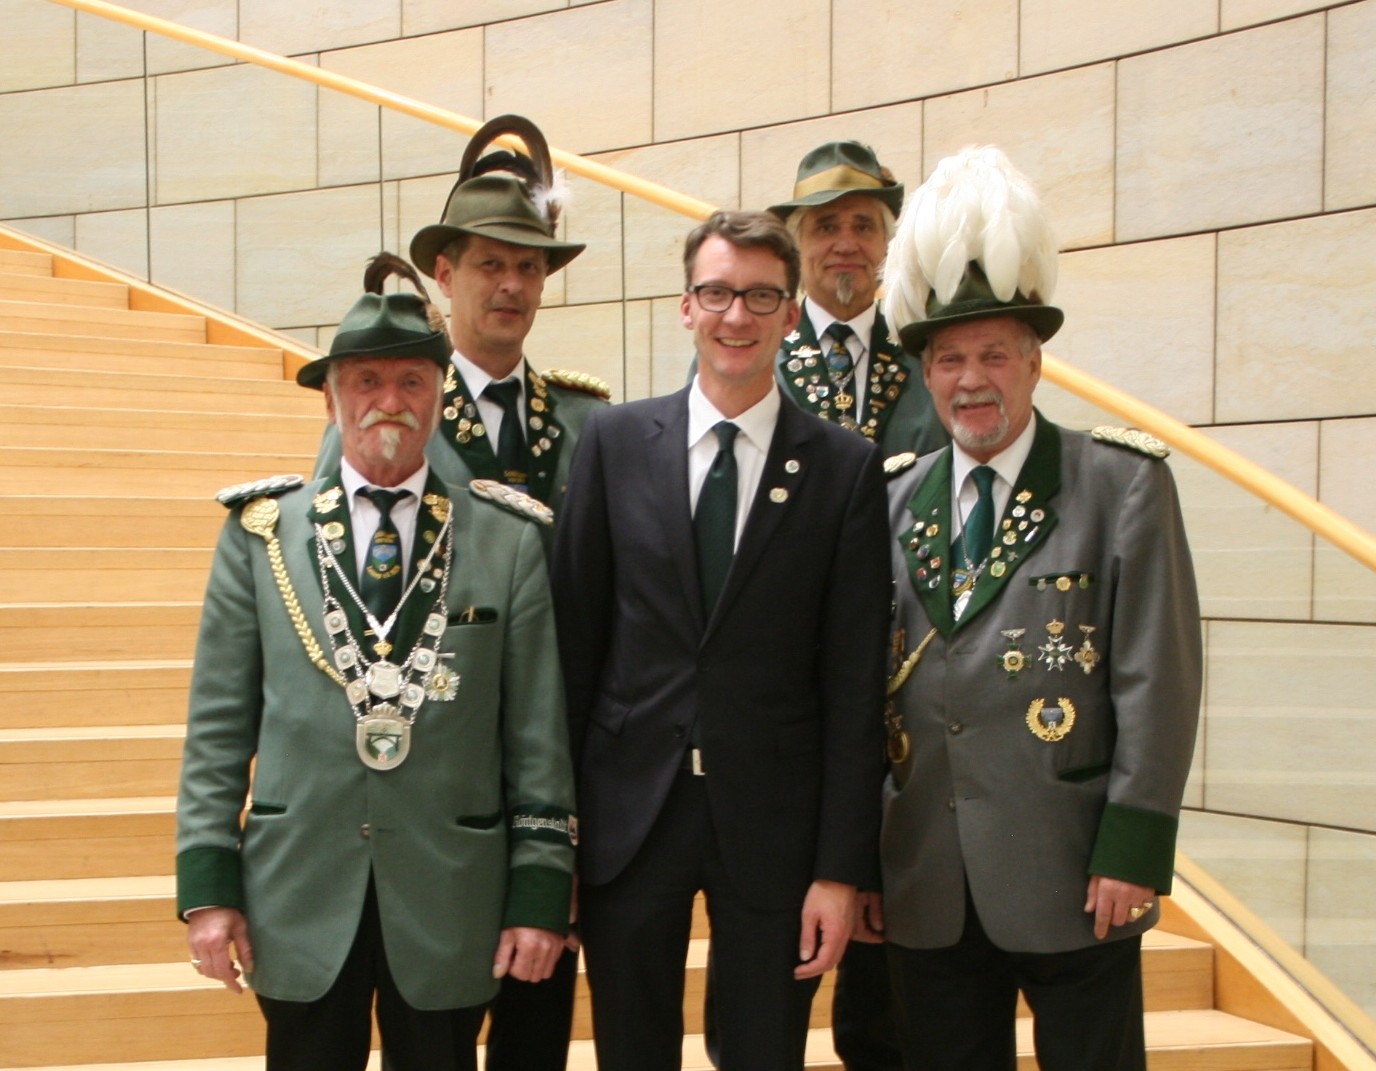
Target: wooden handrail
x=1337 y=529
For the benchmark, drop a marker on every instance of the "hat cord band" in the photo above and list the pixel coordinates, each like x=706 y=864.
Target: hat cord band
x=840 y=177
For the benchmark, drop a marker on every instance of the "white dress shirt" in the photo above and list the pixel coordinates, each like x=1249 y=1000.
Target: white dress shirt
x=1006 y=466
x=364 y=516
x=862 y=330
x=752 y=444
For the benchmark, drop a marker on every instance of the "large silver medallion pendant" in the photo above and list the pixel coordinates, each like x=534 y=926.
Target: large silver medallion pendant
x=384 y=679
x=382 y=738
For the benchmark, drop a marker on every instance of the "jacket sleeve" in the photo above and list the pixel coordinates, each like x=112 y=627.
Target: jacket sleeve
x=221 y=731
x=535 y=753
x=1156 y=672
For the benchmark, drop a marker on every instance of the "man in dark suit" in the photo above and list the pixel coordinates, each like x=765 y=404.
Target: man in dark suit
x=377 y=658
x=1047 y=666
x=840 y=363
x=723 y=596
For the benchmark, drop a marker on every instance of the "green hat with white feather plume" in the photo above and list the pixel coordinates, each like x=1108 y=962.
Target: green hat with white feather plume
x=972 y=242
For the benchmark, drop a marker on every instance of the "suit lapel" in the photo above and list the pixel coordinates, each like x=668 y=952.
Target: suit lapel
x=434 y=508
x=927 y=546
x=786 y=465
x=544 y=433
x=667 y=455
x=462 y=427
x=330 y=510
x=801 y=368
x=888 y=379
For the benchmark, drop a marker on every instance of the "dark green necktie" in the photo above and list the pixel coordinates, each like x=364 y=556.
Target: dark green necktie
x=382 y=568
x=511 y=444
x=978 y=534
x=714 y=523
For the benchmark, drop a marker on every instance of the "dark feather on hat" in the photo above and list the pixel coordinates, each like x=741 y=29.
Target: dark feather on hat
x=547 y=188
x=383 y=266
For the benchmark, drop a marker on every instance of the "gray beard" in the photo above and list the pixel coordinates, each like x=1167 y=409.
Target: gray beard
x=390 y=436
x=845 y=288
x=970 y=440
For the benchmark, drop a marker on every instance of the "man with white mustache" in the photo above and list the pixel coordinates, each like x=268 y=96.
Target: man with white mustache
x=1046 y=665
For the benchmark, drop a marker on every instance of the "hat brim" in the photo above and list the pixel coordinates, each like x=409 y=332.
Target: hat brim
x=436 y=347
x=890 y=196
x=1045 y=320
x=430 y=241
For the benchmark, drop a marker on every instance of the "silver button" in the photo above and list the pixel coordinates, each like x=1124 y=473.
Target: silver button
x=365 y=831
x=955 y=728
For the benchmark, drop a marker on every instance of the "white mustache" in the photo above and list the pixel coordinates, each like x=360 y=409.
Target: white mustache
x=380 y=416
x=977 y=397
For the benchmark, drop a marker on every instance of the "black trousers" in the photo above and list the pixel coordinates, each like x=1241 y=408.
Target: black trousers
x=635 y=940
x=862 y=1014
x=531 y=1022
x=334 y=1033
x=956 y=1006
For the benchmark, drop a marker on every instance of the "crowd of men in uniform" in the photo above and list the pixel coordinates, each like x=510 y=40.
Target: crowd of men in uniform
x=844 y=636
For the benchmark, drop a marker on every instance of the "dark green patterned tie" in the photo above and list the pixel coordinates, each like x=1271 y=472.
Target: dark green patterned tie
x=714 y=523
x=978 y=535
x=512 y=454
x=382 y=568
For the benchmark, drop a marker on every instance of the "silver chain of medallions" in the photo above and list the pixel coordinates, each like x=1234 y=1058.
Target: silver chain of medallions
x=383 y=728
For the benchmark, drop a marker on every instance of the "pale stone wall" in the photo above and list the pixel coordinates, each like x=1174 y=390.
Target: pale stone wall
x=1211 y=169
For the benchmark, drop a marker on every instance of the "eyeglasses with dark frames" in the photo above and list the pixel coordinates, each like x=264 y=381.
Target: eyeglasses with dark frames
x=761 y=300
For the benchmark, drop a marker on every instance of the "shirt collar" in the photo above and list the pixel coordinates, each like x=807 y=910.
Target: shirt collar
x=1007 y=463
x=353 y=480
x=862 y=325
x=756 y=423
x=477 y=380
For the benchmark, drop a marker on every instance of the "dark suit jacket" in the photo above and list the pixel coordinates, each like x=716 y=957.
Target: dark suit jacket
x=785 y=680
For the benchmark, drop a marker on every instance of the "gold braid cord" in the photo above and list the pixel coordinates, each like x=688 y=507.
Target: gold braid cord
x=260 y=518
x=909 y=664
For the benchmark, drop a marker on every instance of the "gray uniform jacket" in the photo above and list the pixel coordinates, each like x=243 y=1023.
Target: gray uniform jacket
x=1051 y=729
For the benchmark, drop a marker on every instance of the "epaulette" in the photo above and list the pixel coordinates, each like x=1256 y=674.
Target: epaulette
x=581 y=381
x=1133 y=439
x=518 y=502
x=242 y=492
x=899 y=463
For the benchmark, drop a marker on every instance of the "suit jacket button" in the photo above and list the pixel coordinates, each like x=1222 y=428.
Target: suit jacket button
x=950 y=803
x=365 y=831
x=954 y=728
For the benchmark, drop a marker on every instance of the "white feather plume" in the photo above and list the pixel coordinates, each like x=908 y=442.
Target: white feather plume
x=552 y=199
x=975 y=206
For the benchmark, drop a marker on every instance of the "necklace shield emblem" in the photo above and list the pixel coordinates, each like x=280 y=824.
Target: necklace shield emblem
x=383 y=739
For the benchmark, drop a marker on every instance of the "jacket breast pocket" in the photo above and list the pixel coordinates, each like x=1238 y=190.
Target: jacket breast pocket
x=473 y=615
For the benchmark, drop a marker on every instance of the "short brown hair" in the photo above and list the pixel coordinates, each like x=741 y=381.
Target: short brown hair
x=745 y=230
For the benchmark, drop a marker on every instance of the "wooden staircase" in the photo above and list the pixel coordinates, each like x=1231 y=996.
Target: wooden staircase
x=117 y=425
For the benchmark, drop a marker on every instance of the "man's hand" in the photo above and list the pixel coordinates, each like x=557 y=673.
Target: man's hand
x=829 y=907
x=869 y=918
x=1111 y=901
x=209 y=933
x=527 y=954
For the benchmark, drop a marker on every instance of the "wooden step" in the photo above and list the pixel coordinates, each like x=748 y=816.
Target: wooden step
x=105 y=694
x=47 y=840
x=103 y=574
x=54 y=632
x=36 y=470
x=41 y=386
x=69 y=427
x=36 y=318
x=88 y=922
x=92 y=762
x=140 y=355
x=24 y=262
x=52 y=291
x=96 y=520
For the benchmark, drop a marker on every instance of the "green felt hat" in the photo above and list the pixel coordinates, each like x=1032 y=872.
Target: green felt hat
x=500 y=206
x=836 y=169
x=384 y=325
x=974 y=299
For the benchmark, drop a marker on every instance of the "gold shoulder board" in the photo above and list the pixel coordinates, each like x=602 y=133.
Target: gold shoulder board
x=517 y=502
x=1133 y=439
x=899 y=463
x=580 y=381
x=241 y=492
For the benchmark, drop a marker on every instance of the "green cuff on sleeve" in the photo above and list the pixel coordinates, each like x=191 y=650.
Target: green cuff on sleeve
x=538 y=896
x=209 y=877
x=1135 y=845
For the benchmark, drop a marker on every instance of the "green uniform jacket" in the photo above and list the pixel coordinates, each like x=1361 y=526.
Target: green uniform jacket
x=900 y=416
x=457 y=455
x=1051 y=728
x=468 y=835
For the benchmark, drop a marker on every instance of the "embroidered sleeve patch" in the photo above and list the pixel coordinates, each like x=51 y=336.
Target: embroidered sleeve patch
x=539 y=821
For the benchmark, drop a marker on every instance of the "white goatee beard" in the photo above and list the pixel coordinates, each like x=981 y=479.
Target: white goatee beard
x=390 y=440
x=971 y=440
x=845 y=287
